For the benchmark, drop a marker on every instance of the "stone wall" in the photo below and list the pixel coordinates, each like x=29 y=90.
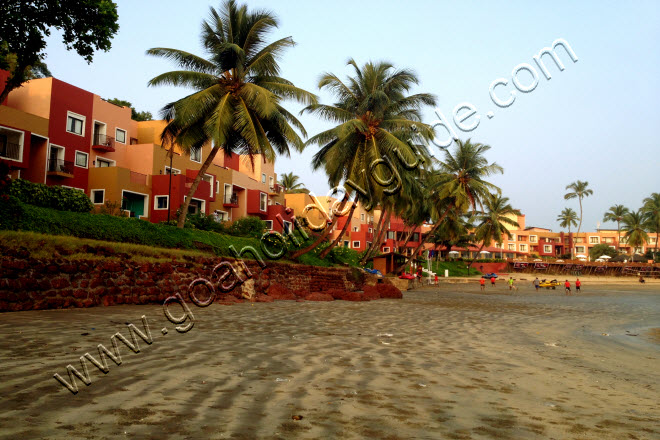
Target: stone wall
x=31 y=284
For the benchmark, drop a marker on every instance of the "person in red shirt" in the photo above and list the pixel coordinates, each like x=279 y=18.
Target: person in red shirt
x=567 y=287
x=482 y=282
x=492 y=281
x=578 y=283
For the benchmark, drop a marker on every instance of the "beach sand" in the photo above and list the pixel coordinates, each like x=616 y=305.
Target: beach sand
x=443 y=363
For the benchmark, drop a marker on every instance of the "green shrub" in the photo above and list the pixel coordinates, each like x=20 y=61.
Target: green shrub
x=205 y=223
x=344 y=255
x=248 y=227
x=11 y=212
x=56 y=197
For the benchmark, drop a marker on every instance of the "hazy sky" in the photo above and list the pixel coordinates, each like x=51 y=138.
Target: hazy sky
x=594 y=121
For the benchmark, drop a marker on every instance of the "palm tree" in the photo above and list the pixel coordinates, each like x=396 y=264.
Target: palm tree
x=459 y=184
x=566 y=219
x=374 y=114
x=634 y=225
x=236 y=104
x=579 y=190
x=651 y=210
x=493 y=221
x=289 y=183
x=616 y=214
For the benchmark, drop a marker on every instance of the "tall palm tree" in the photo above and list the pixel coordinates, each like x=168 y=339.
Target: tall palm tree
x=236 y=103
x=289 y=183
x=459 y=184
x=374 y=113
x=634 y=225
x=566 y=219
x=492 y=222
x=651 y=209
x=616 y=214
x=578 y=190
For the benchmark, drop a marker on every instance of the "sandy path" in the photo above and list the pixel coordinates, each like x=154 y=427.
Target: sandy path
x=448 y=363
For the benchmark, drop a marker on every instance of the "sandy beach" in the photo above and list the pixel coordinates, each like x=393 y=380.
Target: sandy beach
x=443 y=363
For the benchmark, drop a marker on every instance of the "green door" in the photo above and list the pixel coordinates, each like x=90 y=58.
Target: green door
x=134 y=203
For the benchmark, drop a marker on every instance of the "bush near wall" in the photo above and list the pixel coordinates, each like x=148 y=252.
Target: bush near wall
x=56 y=197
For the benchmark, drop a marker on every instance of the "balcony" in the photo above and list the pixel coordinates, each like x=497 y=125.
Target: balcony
x=60 y=168
x=231 y=200
x=103 y=143
x=9 y=150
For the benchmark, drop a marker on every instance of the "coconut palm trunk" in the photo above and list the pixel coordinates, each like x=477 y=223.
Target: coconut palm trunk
x=193 y=188
x=422 y=241
x=327 y=250
x=380 y=226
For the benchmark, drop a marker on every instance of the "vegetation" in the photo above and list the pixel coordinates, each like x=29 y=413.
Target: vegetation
x=651 y=210
x=236 y=105
x=602 y=249
x=85 y=27
x=456 y=268
x=493 y=221
x=56 y=197
x=578 y=190
x=616 y=214
x=634 y=226
x=135 y=115
x=289 y=183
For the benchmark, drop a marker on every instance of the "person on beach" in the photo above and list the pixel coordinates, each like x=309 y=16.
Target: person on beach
x=567 y=287
x=578 y=283
x=482 y=283
x=510 y=283
x=536 y=283
x=492 y=281
x=436 y=279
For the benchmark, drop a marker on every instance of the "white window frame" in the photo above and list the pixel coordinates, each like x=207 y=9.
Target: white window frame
x=227 y=214
x=156 y=197
x=371 y=231
x=91 y=196
x=533 y=238
x=362 y=217
x=522 y=247
x=512 y=247
x=347 y=244
x=146 y=201
x=596 y=237
x=178 y=171
x=117 y=129
x=263 y=177
x=203 y=208
x=200 y=152
x=96 y=165
x=386 y=249
x=261 y=197
x=74 y=115
x=22 y=144
x=652 y=240
x=75 y=159
x=271 y=182
x=217 y=186
x=210 y=183
x=545 y=248
x=269 y=224
x=358 y=244
x=579 y=249
x=512 y=237
x=355 y=229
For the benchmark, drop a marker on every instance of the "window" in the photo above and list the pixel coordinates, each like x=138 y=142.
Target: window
x=81 y=159
x=174 y=171
x=355 y=229
x=579 y=249
x=608 y=240
x=391 y=235
x=120 y=135
x=512 y=247
x=653 y=240
x=579 y=240
x=221 y=216
x=263 y=202
x=161 y=202
x=547 y=249
x=371 y=231
x=512 y=237
x=356 y=244
x=533 y=239
x=523 y=248
x=209 y=179
x=361 y=217
x=196 y=155
x=75 y=123
x=98 y=196
x=346 y=243
x=269 y=225
x=263 y=178
x=272 y=182
x=217 y=187
x=102 y=163
x=624 y=240
x=386 y=249
x=594 y=240
x=415 y=237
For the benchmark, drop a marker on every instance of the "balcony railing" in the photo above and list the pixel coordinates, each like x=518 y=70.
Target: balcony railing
x=231 y=199
x=10 y=151
x=103 y=142
x=140 y=179
x=60 y=166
